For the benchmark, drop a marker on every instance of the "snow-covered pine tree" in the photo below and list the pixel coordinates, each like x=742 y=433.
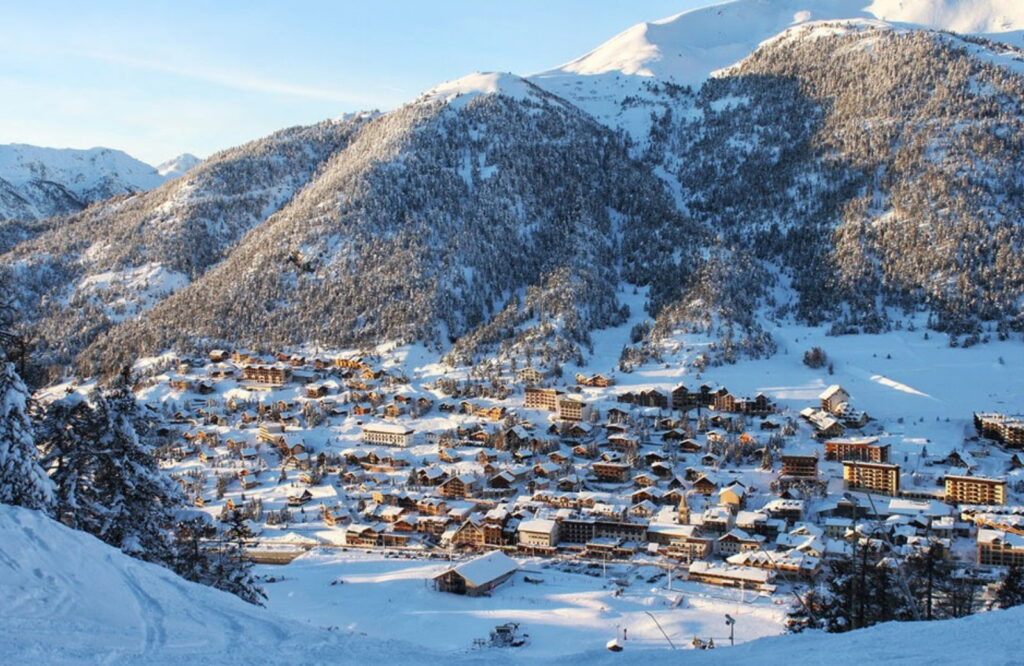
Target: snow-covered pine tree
x=66 y=433
x=22 y=480
x=1010 y=591
x=136 y=499
x=232 y=572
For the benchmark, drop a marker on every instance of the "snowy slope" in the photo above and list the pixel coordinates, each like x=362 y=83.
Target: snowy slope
x=67 y=598
x=177 y=166
x=38 y=182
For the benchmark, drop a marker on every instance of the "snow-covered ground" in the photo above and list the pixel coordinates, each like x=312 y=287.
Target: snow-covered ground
x=67 y=598
x=564 y=614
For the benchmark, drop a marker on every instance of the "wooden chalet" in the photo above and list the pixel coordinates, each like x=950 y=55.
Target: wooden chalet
x=477 y=577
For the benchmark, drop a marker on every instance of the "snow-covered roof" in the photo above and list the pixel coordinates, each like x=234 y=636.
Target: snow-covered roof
x=486 y=568
x=389 y=428
x=831 y=391
x=542 y=525
x=749 y=574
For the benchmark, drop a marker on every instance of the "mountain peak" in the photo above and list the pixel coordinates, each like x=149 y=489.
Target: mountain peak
x=460 y=91
x=177 y=166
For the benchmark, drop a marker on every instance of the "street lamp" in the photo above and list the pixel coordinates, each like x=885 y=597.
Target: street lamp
x=731 y=623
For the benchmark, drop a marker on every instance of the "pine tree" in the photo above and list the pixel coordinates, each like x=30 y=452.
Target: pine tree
x=192 y=560
x=137 y=499
x=66 y=433
x=22 y=480
x=1011 y=590
x=232 y=571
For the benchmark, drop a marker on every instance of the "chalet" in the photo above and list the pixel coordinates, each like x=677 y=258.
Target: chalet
x=824 y=424
x=645 y=479
x=832 y=397
x=364 y=536
x=623 y=443
x=219 y=355
x=432 y=506
x=787 y=509
x=733 y=495
x=476 y=577
x=681 y=542
x=615 y=472
x=706 y=484
x=579 y=431
x=298 y=500
x=469 y=534
x=710 y=460
x=648 y=494
x=269 y=432
x=682 y=400
x=530 y=376
x=504 y=479
x=547 y=470
x=272 y=375
x=715 y=520
x=600 y=381
x=431 y=476
x=649 y=398
x=458 y=487
x=796 y=563
x=703 y=571
x=736 y=540
x=689 y=446
x=617 y=416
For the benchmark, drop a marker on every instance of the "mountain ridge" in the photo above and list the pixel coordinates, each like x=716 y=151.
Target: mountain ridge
x=761 y=195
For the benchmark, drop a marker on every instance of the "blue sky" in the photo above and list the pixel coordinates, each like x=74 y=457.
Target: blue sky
x=156 y=78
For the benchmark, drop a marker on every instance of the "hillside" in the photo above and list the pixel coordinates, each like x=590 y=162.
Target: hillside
x=116 y=259
x=484 y=195
x=845 y=171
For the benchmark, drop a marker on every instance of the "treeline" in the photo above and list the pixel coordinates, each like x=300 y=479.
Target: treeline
x=875 y=583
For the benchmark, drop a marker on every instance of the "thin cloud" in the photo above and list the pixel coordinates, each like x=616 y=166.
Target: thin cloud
x=235 y=80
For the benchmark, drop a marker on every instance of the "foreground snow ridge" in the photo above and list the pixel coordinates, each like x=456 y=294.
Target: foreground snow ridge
x=67 y=598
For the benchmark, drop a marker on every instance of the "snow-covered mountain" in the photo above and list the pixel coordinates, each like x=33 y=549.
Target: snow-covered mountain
x=38 y=182
x=686 y=48
x=856 y=171
x=177 y=166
